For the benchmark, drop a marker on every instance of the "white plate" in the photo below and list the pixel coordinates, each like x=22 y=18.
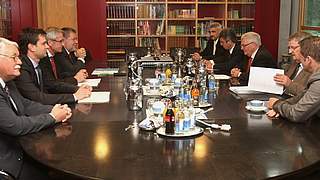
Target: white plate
x=196 y=131
x=203 y=105
x=256 y=109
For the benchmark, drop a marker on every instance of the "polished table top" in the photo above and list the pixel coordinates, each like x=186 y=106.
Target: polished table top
x=94 y=144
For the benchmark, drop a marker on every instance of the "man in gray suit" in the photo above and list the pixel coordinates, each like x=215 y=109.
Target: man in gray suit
x=20 y=116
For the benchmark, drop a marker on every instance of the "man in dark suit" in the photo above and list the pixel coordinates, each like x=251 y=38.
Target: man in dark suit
x=72 y=59
x=258 y=55
x=214 y=52
x=235 y=58
x=19 y=116
x=33 y=47
x=51 y=80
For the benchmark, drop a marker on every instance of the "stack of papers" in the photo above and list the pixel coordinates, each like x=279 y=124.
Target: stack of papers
x=221 y=77
x=260 y=80
x=243 y=90
x=104 y=71
x=97 y=97
x=91 y=82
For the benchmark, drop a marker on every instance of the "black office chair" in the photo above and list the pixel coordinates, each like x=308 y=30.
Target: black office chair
x=5 y=175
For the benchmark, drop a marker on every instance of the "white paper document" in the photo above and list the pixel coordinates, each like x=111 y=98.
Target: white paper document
x=243 y=90
x=97 y=97
x=261 y=79
x=221 y=77
x=91 y=82
x=104 y=71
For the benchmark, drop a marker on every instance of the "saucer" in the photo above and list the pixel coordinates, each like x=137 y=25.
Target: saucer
x=256 y=108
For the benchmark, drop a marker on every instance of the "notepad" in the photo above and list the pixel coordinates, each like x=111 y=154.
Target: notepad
x=91 y=82
x=105 y=71
x=97 y=97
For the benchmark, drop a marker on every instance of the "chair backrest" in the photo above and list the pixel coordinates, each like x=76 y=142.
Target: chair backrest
x=5 y=175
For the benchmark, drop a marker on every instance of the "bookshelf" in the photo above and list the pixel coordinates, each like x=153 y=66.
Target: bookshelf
x=172 y=23
x=5 y=19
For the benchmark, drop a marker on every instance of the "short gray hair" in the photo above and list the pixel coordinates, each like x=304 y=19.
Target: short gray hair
x=252 y=37
x=5 y=42
x=52 y=33
x=299 y=36
x=215 y=25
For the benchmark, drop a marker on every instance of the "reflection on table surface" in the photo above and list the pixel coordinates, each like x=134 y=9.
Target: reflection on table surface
x=94 y=144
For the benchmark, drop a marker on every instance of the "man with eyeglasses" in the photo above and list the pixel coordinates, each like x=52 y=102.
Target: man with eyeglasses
x=72 y=59
x=214 y=52
x=20 y=116
x=296 y=78
x=33 y=47
x=52 y=81
x=306 y=104
x=258 y=56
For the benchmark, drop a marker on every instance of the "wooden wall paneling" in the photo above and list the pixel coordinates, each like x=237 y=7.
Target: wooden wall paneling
x=59 y=13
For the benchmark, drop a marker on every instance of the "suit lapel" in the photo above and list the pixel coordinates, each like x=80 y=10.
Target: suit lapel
x=32 y=71
x=16 y=102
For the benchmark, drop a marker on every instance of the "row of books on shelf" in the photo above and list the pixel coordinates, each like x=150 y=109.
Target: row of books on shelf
x=149 y=42
x=120 y=43
x=5 y=28
x=120 y=11
x=180 y=30
x=235 y=14
x=182 y=13
x=147 y=28
x=178 y=42
x=203 y=28
x=151 y=11
x=121 y=27
x=202 y=43
x=5 y=9
x=241 y=29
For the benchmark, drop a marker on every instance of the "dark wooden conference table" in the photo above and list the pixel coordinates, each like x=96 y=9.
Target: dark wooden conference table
x=95 y=145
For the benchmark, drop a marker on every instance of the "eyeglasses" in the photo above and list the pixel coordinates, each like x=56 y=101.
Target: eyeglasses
x=293 y=47
x=14 y=58
x=212 y=31
x=58 y=41
x=245 y=45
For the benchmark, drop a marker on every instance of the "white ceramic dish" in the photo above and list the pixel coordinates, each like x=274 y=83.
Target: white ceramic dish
x=196 y=131
x=256 y=109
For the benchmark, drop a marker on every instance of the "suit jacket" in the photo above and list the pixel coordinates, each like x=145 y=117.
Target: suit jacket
x=51 y=83
x=11 y=155
x=67 y=65
x=263 y=58
x=29 y=88
x=235 y=59
x=30 y=116
x=298 y=84
x=207 y=53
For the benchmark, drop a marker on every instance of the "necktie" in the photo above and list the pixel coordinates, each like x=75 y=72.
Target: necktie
x=13 y=105
x=293 y=69
x=249 y=64
x=54 y=68
x=39 y=77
